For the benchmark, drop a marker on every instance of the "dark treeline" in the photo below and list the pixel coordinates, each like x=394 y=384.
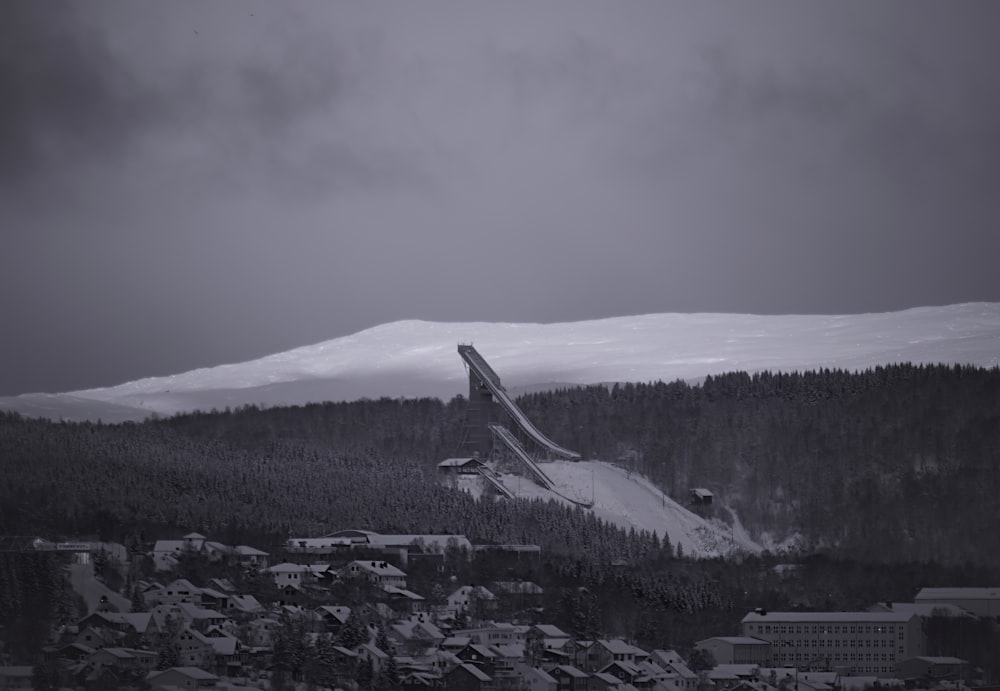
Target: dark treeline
x=134 y=483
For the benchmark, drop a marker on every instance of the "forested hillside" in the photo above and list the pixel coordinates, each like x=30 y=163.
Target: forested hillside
x=138 y=482
x=898 y=463
x=895 y=463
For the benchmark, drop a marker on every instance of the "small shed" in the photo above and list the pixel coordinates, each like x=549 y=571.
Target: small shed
x=459 y=466
x=701 y=497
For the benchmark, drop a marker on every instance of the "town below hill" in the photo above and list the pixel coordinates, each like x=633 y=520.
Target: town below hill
x=363 y=610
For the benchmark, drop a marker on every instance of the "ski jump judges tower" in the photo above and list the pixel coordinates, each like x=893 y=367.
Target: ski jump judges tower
x=483 y=433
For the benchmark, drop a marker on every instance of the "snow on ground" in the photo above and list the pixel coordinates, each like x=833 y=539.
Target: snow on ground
x=630 y=500
x=419 y=358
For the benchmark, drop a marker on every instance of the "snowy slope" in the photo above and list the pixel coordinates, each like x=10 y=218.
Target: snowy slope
x=417 y=358
x=630 y=500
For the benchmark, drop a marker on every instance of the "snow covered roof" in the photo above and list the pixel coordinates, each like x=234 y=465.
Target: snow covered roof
x=825 y=617
x=734 y=640
x=287 y=567
x=192 y=672
x=570 y=671
x=475 y=672
x=617 y=646
x=458 y=462
x=733 y=671
x=958 y=594
x=380 y=568
x=924 y=609
x=403 y=592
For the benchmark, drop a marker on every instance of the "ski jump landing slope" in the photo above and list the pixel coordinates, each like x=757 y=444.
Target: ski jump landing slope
x=630 y=500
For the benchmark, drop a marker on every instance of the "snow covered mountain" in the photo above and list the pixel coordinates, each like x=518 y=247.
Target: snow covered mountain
x=418 y=358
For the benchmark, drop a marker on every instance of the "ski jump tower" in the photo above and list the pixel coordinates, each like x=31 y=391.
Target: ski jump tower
x=483 y=432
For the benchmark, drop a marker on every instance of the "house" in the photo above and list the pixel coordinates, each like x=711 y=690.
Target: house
x=737 y=649
x=185 y=678
x=466 y=677
x=94 y=637
x=569 y=678
x=728 y=676
x=229 y=653
x=194 y=648
x=479 y=655
x=74 y=652
x=332 y=617
x=459 y=466
x=414 y=636
x=701 y=496
x=541 y=638
x=215 y=600
x=366 y=652
x=472 y=599
x=244 y=604
x=223 y=585
x=199 y=617
x=602 y=681
x=627 y=672
x=288 y=574
x=493 y=633
x=124 y=659
x=603 y=652
x=669 y=660
x=379 y=573
x=536 y=679
x=176 y=592
x=405 y=601
x=932 y=669
x=165 y=553
x=261 y=632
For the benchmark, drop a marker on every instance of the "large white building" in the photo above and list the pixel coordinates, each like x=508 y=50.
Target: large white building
x=859 y=642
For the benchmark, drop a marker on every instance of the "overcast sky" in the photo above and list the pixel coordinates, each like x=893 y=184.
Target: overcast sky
x=189 y=183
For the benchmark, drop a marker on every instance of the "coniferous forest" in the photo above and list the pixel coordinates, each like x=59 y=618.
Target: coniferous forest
x=890 y=476
x=892 y=464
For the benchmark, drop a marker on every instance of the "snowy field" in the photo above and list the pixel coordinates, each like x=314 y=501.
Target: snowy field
x=417 y=358
x=630 y=500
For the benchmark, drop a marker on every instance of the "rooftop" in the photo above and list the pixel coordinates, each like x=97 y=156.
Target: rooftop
x=959 y=594
x=846 y=617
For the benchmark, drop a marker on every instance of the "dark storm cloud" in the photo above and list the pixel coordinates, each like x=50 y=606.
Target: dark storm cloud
x=63 y=95
x=70 y=102
x=205 y=182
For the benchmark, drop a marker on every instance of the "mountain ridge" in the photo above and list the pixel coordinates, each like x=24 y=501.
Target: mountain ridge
x=416 y=358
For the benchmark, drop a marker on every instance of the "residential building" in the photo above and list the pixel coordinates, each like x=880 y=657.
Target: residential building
x=569 y=678
x=185 y=678
x=378 y=573
x=932 y=669
x=737 y=649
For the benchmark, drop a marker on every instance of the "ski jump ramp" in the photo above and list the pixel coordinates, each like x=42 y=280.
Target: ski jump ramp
x=485 y=389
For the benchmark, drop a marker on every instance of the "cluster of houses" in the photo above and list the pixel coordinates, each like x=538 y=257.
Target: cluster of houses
x=217 y=636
